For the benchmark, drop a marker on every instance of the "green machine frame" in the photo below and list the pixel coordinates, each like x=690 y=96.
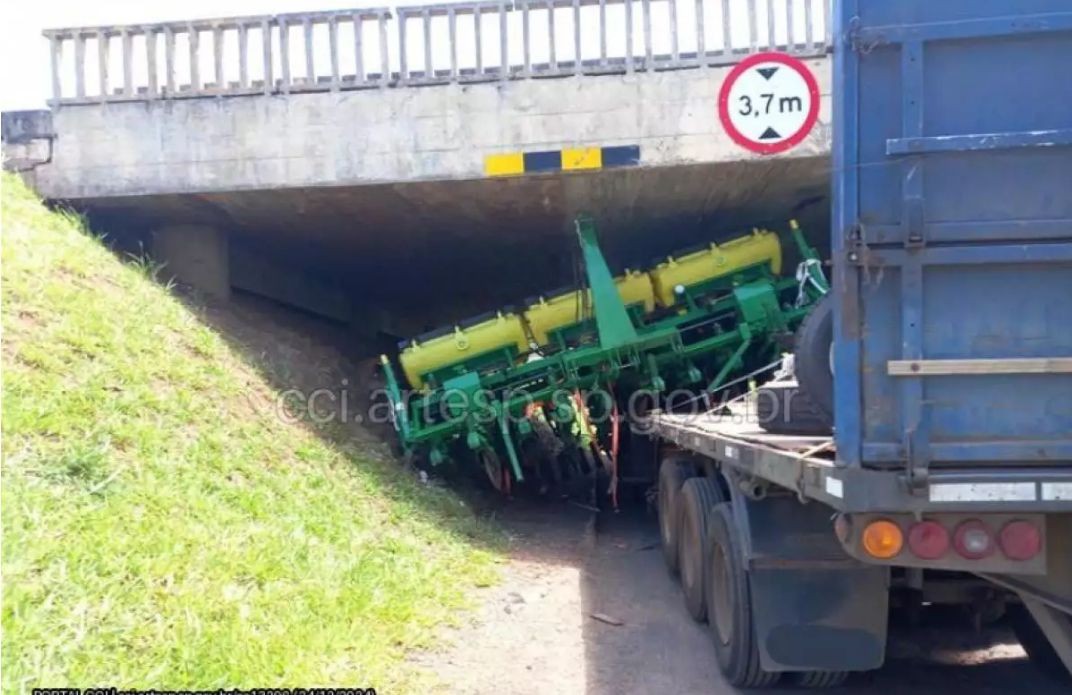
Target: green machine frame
x=717 y=328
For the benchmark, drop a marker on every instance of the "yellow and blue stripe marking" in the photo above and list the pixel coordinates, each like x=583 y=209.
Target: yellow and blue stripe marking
x=569 y=159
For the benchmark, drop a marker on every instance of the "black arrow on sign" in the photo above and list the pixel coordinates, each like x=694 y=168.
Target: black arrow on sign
x=767 y=72
x=769 y=134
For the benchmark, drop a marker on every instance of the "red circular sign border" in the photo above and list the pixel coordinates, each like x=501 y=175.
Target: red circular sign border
x=797 y=137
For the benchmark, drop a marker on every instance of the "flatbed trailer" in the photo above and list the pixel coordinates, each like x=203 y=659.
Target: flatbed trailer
x=808 y=466
x=948 y=359
x=817 y=602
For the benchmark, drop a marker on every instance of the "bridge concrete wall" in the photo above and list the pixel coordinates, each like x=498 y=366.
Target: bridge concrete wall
x=388 y=135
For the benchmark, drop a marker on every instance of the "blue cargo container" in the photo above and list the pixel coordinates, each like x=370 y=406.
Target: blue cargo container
x=951 y=356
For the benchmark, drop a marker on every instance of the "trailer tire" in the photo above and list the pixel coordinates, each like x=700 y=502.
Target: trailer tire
x=729 y=604
x=1038 y=648
x=811 y=357
x=821 y=679
x=698 y=497
x=673 y=472
x=783 y=408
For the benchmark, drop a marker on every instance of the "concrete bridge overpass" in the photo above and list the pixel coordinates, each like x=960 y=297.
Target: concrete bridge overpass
x=439 y=146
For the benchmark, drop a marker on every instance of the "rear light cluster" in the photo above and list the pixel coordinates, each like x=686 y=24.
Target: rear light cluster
x=971 y=539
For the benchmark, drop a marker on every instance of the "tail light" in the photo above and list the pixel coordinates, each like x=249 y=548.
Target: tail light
x=1020 y=540
x=973 y=540
x=882 y=539
x=928 y=540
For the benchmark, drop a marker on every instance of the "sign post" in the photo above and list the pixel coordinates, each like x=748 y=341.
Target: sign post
x=769 y=102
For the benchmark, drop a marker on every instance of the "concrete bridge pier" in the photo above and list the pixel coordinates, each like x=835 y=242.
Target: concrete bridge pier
x=195 y=255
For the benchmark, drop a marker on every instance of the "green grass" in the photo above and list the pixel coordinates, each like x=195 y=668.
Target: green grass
x=160 y=531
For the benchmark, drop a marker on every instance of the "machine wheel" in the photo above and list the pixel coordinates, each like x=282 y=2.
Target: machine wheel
x=493 y=468
x=821 y=679
x=673 y=472
x=783 y=408
x=729 y=604
x=1034 y=642
x=698 y=497
x=811 y=356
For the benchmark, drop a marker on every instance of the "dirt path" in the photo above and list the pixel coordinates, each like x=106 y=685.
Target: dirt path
x=535 y=633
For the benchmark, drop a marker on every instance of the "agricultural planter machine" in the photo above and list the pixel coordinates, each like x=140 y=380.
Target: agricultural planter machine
x=539 y=394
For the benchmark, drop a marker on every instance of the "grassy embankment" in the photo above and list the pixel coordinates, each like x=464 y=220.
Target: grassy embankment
x=159 y=530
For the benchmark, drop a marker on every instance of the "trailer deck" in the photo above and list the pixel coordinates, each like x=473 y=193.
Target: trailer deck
x=807 y=465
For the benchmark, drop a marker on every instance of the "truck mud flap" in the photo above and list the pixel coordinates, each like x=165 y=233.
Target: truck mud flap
x=814 y=607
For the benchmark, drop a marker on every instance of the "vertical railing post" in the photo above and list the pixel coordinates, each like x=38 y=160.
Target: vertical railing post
x=577 y=63
x=243 y=55
x=526 y=38
x=828 y=24
x=629 y=36
x=809 y=27
x=426 y=28
x=127 y=42
x=772 y=36
x=646 y=5
x=753 y=28
x=727 y=30
x=217 y=58
x=150 y=57
x=675 y=53
x=402 y=72
x=479 y=41
x=195 y=59
x=452 y=38
x=333 y=46
x=359 y=50
x=55 y=50
x=504 y=53
x=551 y=35
x=284 y=55
x=169 y=61
x=310 y=66
x=79 y=65
x=789 y=42
x=701 y=39
x=102 y=63
x=385 y=61
x=266 y=56
x=603 y=33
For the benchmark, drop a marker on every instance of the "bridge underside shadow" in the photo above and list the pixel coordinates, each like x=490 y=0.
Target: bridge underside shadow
x=425 y=253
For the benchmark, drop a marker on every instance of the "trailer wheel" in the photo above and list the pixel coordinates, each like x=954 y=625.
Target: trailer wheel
x=729 y=605
x=673 y=472
x=698 y=497
x=1038 y=648
x=821 y=679
x=811 y=356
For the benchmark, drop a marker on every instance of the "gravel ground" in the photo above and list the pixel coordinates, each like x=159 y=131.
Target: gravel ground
x=580 y=612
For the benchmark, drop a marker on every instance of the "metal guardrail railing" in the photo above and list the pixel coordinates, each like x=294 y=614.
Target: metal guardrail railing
x=485 y=40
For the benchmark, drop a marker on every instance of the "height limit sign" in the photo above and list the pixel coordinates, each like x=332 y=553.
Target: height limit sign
x=769 y=102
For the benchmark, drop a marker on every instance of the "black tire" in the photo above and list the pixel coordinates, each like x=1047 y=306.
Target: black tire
x=783 y=408
x=673 y=472
x=729 y=603
x=698 y=497
x=821 y=679
x=811 y=357
x=1035 y=643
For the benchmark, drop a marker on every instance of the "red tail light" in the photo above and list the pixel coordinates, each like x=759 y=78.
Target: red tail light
x=973 y=540
x=928 y=540
x=1020 y=540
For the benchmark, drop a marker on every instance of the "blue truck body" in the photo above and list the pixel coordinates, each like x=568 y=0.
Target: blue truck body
x=952 y=233
x=951 y=352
